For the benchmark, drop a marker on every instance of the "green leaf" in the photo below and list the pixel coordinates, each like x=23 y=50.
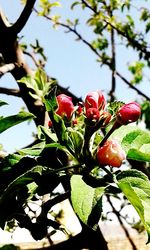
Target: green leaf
x=114 y=106
x=136 y=187
x=60 y=129
x=9 y=121
x=136 y=68
x=145 y=113
x=137 y=145
x=46 y=134
x=32 y=151
x=3 y=103
x=121 y=132
x=86 y=201
x=147 y=28
x=57 y=121
x=77 y=140
x=50 y=101
x=39 y=84
x=100 y=43
x=56 y=145
x=9 y=247
x=9 y=205
x=135 y=142
x=13 y=166
x=74 y=4
x=11 y=160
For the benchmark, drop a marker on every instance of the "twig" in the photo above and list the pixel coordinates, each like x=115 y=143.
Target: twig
x=73 y=30
x=32 y=57
x=134 y=42
x=132 y=86
x=117 y=213
x=50 y=203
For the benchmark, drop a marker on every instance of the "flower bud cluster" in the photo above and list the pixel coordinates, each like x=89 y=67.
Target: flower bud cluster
x=109 y=152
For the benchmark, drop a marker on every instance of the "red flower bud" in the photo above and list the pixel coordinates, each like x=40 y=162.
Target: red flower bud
x=95 y=99
x=65 y=106
x=128 y=113
x=50 y=123
x=111 y=154
x=92 y=114
x=80 y=109
x=75 y=122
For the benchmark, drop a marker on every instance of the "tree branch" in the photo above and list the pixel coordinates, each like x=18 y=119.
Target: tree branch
x=131 y=85
x=73 y=30
x=133 y=42
x=113 y=62
x=3 y=21
x=12 y=92
x=6 y=68
x=86 y=239
x=20 y=23
x=46 y=206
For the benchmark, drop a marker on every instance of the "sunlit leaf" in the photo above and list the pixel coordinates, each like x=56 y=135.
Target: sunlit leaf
x=86 y=201
x=136 y=187
x=9 y=121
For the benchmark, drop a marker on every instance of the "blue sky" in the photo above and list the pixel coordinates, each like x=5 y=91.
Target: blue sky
x=71 y=62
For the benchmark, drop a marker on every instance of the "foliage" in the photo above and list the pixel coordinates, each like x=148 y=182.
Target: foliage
x=65 y=150
x=38 y=170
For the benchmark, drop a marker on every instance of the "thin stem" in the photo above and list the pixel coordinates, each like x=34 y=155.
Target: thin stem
x=107 y=172
x=134 y=43
x=32 y=57
x=65 y=168
x=50 y=203
x=114 y=127
x=73 y=30
x=132 y=86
